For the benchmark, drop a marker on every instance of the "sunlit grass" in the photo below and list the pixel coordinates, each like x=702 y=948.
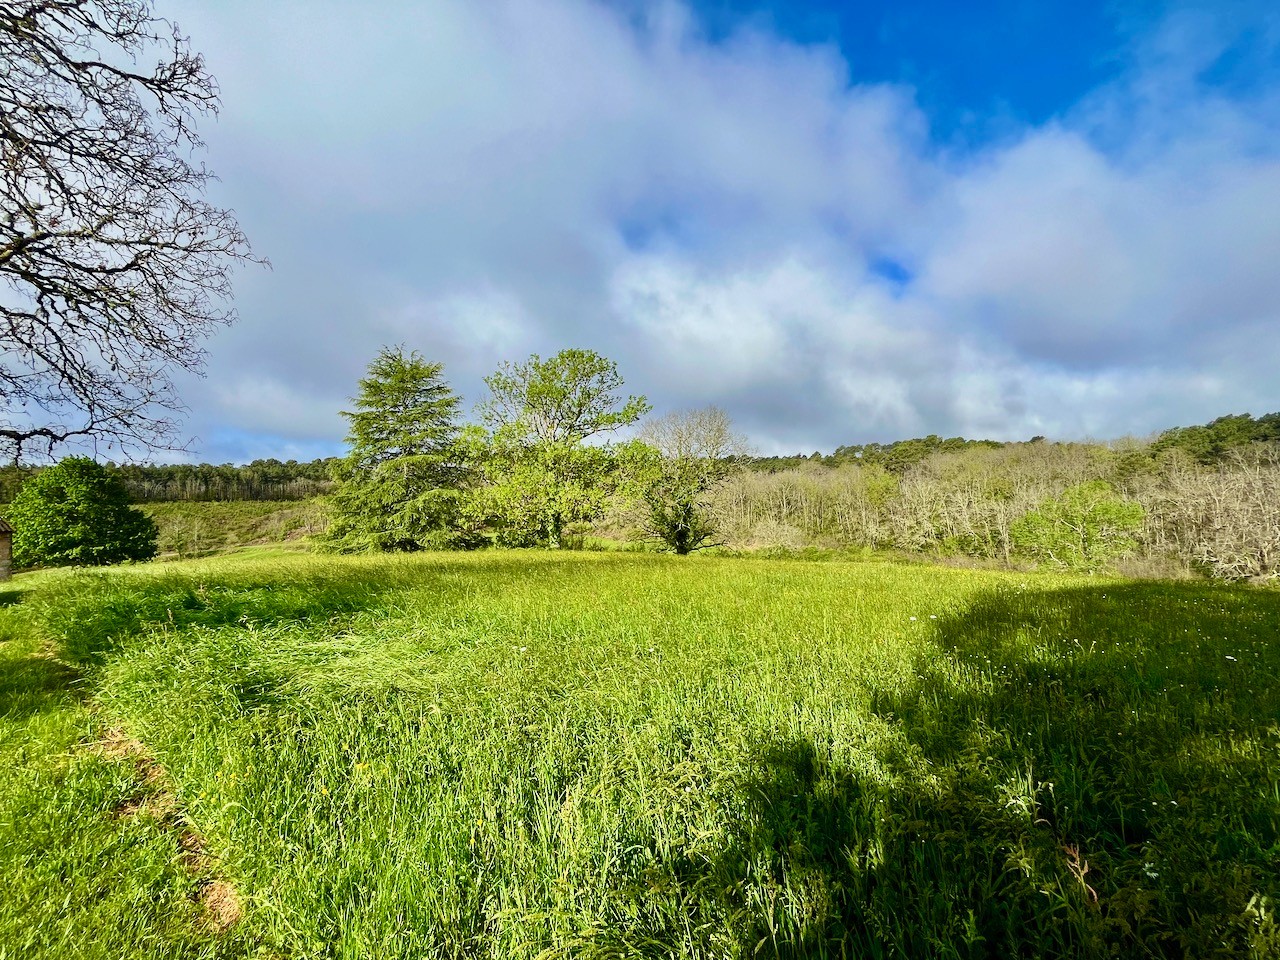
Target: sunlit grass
x=197 y=528
x=76 y=879
x=537 y=755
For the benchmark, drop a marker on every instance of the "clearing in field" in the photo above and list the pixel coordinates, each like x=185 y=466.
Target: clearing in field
x=517 y=754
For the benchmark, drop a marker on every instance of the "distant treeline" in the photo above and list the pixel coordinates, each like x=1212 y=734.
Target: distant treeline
x=1207 y=444
x=1216 y=441
x=259 y=480
x=895 y=457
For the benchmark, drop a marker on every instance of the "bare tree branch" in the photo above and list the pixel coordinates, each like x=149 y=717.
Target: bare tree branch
x=113 y=266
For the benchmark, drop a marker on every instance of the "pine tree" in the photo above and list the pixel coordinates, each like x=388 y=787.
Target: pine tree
x=398 y=488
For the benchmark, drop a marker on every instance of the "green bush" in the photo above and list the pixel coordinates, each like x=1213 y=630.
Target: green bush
x=1085 y=528
x=75 y=513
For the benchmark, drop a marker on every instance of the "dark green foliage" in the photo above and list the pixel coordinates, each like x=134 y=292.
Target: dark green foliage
x=1214 y=441
x=268 y=479
x=896 y=457
x=75 y=513
x=12 y=477
x=398 y=489
x=676 y=516
x=1206 y=443
x=394 y=506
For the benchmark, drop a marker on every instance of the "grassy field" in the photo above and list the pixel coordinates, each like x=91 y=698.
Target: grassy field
x=517 y=754
x=198 y=528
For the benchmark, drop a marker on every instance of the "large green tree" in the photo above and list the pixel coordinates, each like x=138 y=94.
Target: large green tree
x=76 y=513
x=541 y=474
x=398 y=488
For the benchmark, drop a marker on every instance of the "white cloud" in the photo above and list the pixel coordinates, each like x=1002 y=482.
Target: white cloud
x=273 y=406
x=480 y=181
x=1066 y=254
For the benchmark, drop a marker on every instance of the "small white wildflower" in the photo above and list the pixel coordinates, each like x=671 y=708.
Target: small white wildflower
x=913 y=619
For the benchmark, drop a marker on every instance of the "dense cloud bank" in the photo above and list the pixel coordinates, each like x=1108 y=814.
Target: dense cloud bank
x=738 y=221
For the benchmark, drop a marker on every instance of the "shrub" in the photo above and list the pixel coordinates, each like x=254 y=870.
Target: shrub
x=1085 y=528
x=75 y=513
x=1224 y=522
x=677 y=518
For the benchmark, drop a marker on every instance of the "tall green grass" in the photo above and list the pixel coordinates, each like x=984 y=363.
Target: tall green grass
x=77 y=880
x=536 y=755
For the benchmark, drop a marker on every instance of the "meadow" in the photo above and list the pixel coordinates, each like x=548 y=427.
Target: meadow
x=202 y=528
x=539 y=755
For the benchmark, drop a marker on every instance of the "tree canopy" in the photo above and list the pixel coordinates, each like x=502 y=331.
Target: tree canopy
x=115 y=267
x=1216 y=440
x=75 y=512
x=540 y=475
x=563 y=399
x=397 y=488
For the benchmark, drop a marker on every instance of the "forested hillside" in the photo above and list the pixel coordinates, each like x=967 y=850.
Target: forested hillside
x=259 y=480
x=272 y=479
x=1197 y=498
x=1205 y=443
x=1078 y=506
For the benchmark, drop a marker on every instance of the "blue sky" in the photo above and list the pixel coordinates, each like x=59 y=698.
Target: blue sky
x=840 y=222
x=982 y=71
x=976 y=69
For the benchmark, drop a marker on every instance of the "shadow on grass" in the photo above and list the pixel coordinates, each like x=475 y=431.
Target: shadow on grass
x=92 y=615
x=1095 y=772
x=33 y=684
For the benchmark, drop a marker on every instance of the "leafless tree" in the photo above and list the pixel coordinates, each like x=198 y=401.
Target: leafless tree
x=114 y=266
x=697 y=450
x=963 y=501
x=1224 y=520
